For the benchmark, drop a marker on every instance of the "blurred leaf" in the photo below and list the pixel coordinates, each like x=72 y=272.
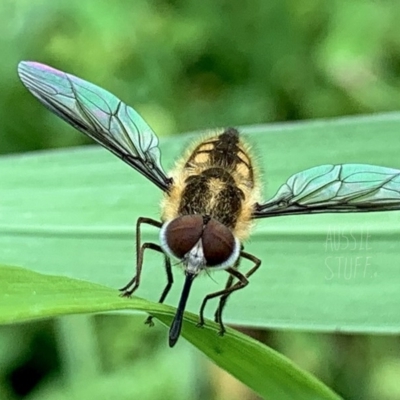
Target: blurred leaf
x=29 y=295
x=179 y=64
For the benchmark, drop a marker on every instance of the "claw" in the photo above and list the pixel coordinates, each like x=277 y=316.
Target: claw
x=126 y=294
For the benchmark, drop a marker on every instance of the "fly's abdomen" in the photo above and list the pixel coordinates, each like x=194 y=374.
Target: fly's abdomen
x=224 y=151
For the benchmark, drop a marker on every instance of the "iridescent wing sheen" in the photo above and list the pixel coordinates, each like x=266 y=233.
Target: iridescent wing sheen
x=98 y=114
x=335 y=189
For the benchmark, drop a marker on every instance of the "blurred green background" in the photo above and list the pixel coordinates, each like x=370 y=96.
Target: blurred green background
x=188 y=65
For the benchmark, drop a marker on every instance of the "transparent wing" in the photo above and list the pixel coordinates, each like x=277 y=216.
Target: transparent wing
x=98 y=114
x=335 y=189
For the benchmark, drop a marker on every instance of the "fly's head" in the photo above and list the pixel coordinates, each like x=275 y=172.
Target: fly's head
x=200 y=242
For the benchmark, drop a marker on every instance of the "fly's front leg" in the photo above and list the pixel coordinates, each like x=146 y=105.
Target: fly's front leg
x=170 y=281
x=224 y=298
x=229 y=288
x=133 y=284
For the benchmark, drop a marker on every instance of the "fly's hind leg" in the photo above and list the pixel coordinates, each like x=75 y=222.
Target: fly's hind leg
x=224 y=294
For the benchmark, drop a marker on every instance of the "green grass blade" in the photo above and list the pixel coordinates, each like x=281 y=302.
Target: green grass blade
x=28 y=295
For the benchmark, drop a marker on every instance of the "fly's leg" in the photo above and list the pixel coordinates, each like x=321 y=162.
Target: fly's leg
x=133 y=284
x=242 y=282
x=223 y=299
x=170 y=281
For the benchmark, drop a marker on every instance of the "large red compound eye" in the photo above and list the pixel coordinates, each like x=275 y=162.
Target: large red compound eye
x=182 y=233
x=219 y=244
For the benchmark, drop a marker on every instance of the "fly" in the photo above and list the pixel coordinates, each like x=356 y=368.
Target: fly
x=212 y=195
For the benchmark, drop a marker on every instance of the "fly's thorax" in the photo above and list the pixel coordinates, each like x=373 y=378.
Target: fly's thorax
x=200 y=242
